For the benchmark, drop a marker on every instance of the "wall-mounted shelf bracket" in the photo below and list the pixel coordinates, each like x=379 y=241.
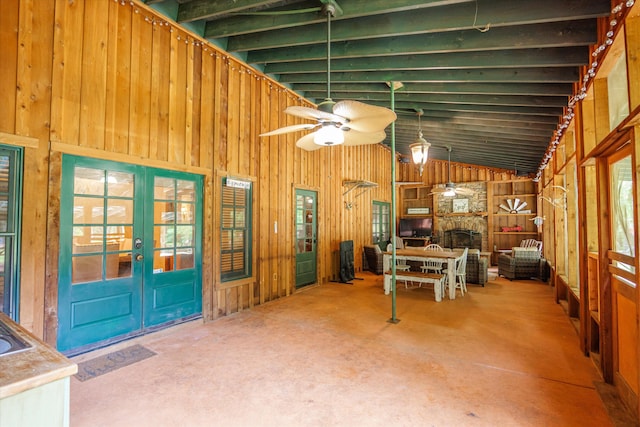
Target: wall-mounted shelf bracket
x=354 y=184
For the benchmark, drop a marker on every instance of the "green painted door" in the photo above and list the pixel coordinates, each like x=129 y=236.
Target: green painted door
x=172 y=263
x=129 y=250
x=306 y=237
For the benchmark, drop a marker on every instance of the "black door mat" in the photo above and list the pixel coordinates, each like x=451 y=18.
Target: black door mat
x=112 y=361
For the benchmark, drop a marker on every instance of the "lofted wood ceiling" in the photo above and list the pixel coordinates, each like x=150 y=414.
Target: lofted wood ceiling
x=491 y=77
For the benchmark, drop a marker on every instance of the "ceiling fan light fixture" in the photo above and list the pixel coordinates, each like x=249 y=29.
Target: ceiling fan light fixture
x=449 y=192
x=329 y=134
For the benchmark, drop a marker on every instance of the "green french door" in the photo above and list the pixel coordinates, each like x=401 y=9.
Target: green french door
x=130 y=250
x=306 y=237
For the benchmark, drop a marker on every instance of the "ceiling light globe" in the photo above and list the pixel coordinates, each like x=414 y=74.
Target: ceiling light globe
x=329 y=135
x=420 y=150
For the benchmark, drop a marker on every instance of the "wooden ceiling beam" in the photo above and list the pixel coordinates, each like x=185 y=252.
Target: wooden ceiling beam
x=537 y=89
x=558 y=74
x=533 y=111
x=554 y=34
x=487 y=99
x=489 y=14
x=477 y=134
x=206 y=9
x=511 y=58
x=252 y=23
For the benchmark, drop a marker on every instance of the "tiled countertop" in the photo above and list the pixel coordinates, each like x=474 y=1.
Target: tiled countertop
x=33 y=367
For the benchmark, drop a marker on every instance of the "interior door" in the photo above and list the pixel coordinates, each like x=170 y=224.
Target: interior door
x=130 y=251
x=306 y=237
x=623 y=274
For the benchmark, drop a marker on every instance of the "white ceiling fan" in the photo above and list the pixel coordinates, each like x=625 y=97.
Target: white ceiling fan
x=345 y=122
x=450 y=189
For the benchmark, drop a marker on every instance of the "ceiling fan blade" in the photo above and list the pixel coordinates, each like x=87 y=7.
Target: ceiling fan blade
x=306 y=142
x=465 y=191
x=364 y=117
x=292 y=128
x=353 y=137
x=313 y=114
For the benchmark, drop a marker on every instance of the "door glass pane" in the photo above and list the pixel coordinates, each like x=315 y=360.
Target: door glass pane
x=120 y=184
x=185 y=236
x=102 y=225
x=4 y=212
x=164 y=189
x=174 y=237
x=165 y=212
x=623 y=229
x=186 y=190
x=119 y=211
x=186 y=213
x=88 y=181
x=305 y=224
x=165 y=236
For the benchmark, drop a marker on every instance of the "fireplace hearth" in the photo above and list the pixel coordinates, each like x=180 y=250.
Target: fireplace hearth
x=462 y=238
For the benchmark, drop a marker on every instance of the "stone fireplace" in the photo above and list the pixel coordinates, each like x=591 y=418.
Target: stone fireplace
x=463 y=229
x=462 y=238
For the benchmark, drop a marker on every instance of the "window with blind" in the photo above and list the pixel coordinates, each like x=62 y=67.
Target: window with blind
x=235 y=231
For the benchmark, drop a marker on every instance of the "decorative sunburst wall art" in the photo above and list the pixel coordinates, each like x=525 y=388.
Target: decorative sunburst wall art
x=515 y=206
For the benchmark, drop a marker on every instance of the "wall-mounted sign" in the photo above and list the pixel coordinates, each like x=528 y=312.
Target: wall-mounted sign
x=237 y=183
x=460 y=205
x=418 y=211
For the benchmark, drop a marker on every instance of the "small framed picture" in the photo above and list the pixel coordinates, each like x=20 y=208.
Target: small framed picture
x=460 y=205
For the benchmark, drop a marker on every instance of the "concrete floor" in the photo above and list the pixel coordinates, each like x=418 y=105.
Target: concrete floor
x=503 y=355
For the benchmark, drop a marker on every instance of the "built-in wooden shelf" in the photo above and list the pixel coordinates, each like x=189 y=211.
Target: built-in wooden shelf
x=515 y=232
x=445 y=215
x=499 y=219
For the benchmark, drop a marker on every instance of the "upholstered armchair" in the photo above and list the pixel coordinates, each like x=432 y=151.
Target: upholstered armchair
x=477 y=267
x=373 y=254
x=522 y=263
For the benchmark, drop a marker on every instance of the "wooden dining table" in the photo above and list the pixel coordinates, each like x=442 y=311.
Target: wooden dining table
x=421 y=255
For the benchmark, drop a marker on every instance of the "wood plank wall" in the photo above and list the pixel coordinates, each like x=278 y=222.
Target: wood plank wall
x=115 y=81
x=436 y=172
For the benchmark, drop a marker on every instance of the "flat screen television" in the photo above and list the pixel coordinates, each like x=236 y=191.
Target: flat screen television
x=415 y=227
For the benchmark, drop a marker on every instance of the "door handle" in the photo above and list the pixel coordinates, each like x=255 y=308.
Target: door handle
x=139 y=257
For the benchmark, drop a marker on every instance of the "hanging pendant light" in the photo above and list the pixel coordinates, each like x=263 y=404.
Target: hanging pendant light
x=420 y=148
x=450 y=187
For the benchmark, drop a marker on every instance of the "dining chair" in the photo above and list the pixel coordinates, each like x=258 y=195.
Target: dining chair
x=461 y=272
x=401 y=264
x=432 y=265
